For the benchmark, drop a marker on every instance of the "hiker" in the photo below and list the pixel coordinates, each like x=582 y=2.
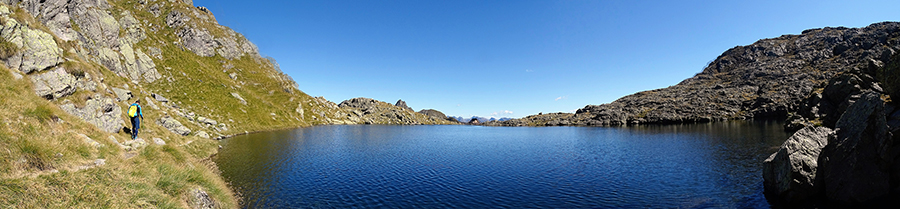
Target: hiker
x=133 y=112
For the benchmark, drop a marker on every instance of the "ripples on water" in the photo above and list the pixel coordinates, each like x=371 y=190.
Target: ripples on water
x=677 y=166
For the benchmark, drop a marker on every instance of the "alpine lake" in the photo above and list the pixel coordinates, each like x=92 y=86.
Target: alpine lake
x=710 y=165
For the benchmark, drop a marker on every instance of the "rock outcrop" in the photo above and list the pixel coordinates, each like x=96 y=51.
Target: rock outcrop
x=173 y=125
x=859 y=165
x=54 y=84
x=791 y=171
x=203 y=43
x=100 y=111
x=769 y=78
x=369 y=111
x=856 y=167
x=122 y=95
x=37 y=50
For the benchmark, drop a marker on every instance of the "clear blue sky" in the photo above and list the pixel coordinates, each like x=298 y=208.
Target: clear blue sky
x=514 y=58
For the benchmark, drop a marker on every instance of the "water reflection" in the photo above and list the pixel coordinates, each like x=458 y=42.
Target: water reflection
x=696 y=165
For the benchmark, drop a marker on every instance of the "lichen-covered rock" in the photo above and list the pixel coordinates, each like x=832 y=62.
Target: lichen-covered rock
x=138 y=66
x=134 y=33
x=790 y=172
x=37 y=50
x=54 y=84
x=99 y=111
x=230 y=48
x=98 y=28
x=173 y=125
x=110 y=59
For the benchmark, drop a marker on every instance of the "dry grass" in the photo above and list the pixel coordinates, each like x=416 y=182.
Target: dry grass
x=41 y=156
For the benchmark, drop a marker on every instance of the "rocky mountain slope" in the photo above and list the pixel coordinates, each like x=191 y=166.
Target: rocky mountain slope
x=768 y=78
x=845 y=150
x=71 y=67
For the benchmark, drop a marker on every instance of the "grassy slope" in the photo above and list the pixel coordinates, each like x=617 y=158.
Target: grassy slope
x=40 y=158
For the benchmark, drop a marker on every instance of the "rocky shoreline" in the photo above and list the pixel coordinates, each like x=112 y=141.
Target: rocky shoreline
x=844 y=152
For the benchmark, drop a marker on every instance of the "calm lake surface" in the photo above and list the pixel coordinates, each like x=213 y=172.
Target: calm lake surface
x=711 y=165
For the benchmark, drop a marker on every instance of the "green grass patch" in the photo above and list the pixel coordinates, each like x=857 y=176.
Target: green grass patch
x=40 y=112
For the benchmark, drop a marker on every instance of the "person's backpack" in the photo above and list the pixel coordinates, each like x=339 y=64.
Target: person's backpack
x=133 y=110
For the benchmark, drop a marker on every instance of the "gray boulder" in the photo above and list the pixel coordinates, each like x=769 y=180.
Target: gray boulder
x=134 y=33
x=37 y=50
x=138 y=66
x=240 y=99
x=790 y=172
x=159 y=141
x=98 y=27
x=855 y=163
x=99 y=111
x=159 y=98
x=230 y=48
x=54 y=14
x=151 y=103
x=54 y=84
x=203 y=134
x=122 y=94
x=207 y=121
x=173 y=125
x=110 y=58
x=86 y=83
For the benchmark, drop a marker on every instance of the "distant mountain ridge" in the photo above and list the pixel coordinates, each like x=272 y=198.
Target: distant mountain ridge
x=768 y=78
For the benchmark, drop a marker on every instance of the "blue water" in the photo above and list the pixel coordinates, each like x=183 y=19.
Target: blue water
x=677 y=166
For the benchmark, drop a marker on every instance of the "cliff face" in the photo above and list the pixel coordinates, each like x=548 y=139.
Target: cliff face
x=768 y=78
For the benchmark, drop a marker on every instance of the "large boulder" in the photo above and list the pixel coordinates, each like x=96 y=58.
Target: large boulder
x=54 y=84
x=856 y=162
x=37 y=50
x=100 y=111
x=122 y=95
x=173 y=125
x=790 y=172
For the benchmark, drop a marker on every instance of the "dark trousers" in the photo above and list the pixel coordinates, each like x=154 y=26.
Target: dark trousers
x=135 y=125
